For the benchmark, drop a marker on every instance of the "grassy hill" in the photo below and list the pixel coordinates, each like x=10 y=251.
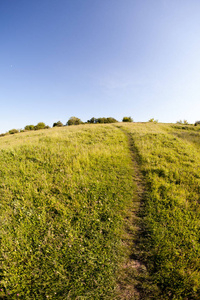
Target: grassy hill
x=71 y=225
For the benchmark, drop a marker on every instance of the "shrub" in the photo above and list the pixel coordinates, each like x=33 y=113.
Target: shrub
x=92 y=121
x=13 y=131
x=127 y=119
x=197 y=123
x=153 y=120
x=74 y=121
x=106 y=120
x=111 y=120
x=40 y=125
x=58 y=124
x=29 y=127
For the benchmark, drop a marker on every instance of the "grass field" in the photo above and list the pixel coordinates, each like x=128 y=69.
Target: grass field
x=170 y=162
x=66 y=194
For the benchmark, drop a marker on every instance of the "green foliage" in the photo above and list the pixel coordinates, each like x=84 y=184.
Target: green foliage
x=152 y=120
x=29 y=127
x=64 y=195
x=74 y=121
x=92 y=121
x=185 y=122
x=197 y=123
x=127 y=119
x=13 y=131
x=106 y=120
x=58 y=124
x=102 y=120
x=39 y=126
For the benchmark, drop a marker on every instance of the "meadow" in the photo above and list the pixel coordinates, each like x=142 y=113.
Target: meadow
x=66 y=196
x=64 y=193
x=169 y=159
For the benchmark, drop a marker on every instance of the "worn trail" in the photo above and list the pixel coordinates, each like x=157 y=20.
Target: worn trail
x=133 y=272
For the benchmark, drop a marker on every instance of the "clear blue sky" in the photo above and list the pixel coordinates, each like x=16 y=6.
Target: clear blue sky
x=101 y=58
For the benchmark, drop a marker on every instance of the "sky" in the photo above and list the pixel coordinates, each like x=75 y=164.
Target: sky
x=99 y=58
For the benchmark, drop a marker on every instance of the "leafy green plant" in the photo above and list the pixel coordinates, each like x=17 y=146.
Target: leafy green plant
x=13 y=131
x=74 y=121
x=152 y=120
x=127 y=119
x=29 y=127
x=40 y=125
x=197 y=123
x=58 y=124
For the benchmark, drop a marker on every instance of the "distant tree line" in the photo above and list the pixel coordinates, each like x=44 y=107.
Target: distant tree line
x=76 y=121
x=101 y=120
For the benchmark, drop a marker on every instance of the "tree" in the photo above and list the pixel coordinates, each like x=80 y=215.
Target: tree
x=40 y=125
x=74 y=121
x=92 y=121
x=58 y=124
x=29 y=127
x=13 y=131
x=111 y=120
x=106 y=120
x=127 y=119
x=197 y=123
x=153 y=120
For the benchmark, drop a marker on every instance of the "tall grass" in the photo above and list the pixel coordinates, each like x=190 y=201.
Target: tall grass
x=64 y=194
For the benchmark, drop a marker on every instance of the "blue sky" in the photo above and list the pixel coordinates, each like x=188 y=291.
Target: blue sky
x=101 y=58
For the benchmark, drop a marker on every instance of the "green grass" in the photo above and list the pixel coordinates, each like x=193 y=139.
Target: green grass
x=64 y=195
x=171 y=228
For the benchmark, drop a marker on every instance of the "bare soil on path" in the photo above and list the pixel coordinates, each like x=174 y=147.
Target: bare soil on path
x=133 y=275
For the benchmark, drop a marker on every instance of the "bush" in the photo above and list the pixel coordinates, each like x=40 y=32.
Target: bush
x=92 y=121
x=13 y=131
x=74 y=121
x=111 y=120
x=29 y=127
x=58 y=124
x=153 y=120
x=197 y=123
x=106 y=120
x=102 y=120
x=127 y=119
x=40 y=125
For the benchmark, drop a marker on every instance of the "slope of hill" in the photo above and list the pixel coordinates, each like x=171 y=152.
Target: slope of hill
x=169 y=244
x=66 y=195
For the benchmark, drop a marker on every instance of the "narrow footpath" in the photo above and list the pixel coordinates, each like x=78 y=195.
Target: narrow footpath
x=133 y=273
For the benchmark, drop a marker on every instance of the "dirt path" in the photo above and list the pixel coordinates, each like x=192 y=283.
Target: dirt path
x=133 y=272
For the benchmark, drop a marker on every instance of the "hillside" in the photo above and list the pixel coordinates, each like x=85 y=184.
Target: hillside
x=101 y=212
